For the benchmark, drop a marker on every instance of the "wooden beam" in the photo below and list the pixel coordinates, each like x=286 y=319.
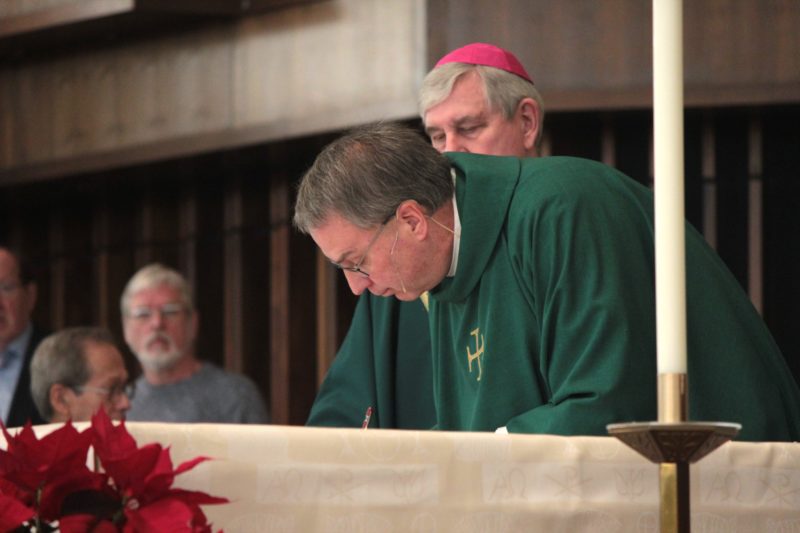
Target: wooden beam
x=59 y=15
x=709 y=176
x=154 y=96
x=101 y=241
x=280 y=303
x=57 y=270
x=233 y=289
x=327 y=310
x=216 y=7
x=755 y=214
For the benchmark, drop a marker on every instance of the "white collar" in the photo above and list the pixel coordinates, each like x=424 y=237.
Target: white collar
x=456 y=231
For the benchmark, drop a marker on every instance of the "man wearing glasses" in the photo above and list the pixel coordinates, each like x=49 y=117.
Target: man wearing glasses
x=480 y=99
x=160 y=325
x=18 y=339
x=540 y=273
x=78 y=371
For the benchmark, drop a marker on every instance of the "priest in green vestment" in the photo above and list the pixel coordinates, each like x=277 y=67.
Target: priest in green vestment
x=541 y=281
x=479 y=99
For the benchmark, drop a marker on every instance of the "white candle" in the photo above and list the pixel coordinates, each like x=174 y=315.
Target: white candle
x=668 y=180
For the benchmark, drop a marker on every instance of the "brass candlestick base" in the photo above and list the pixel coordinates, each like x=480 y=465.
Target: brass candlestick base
x=678 y=442
x=675 y=445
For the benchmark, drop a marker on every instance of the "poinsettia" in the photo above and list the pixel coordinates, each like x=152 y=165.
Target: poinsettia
x=13 y=512
x=45 y=483
x=39 y=474
x=144 y=477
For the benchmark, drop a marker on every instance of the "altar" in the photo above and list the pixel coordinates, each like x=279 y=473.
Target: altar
x=297 y=479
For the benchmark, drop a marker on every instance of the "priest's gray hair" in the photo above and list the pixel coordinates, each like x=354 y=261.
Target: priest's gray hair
x=60 y=359
x=503 y=90
x=366 y=174
x=153 y=275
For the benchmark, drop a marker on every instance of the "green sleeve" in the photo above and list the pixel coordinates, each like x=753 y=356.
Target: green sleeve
x=383 y=363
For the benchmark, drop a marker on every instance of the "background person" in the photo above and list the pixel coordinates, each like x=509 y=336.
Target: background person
x=541 y=279
x=160 y=325
x=478 y=98
x=78 y=371
x=18 y=339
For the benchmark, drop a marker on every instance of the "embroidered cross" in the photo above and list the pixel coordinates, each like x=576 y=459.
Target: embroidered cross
x=479 y=343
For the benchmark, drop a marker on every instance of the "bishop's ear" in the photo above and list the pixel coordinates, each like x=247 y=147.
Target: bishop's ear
x=530 y=118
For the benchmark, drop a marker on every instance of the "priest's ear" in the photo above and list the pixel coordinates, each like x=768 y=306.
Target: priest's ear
x=411 y=218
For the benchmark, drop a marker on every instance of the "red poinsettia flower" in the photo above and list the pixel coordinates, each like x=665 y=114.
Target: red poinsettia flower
x=45 y=484
x=13 y=512
x=143 y=477
x=44 y=471
x=86 y=523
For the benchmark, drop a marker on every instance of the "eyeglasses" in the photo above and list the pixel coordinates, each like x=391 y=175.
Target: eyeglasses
x=8 y=287
x=114 y=394
x=357 y=267
x=167 y=311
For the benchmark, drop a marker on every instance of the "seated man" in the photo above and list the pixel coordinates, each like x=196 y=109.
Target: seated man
x=541 y=278
x=479 y=99
x=160 y=325
x=18 y=339
x=76 y=372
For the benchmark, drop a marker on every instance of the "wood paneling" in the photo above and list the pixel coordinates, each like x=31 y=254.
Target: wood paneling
x=233 y=292
x=280 y=302
x=781 y=190
x=755 y=204
x=278 y=75
x=32 y=29
x=585 y=54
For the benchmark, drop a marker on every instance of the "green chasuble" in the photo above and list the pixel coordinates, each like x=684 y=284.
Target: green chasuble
x=384 y=363
x=549 y=323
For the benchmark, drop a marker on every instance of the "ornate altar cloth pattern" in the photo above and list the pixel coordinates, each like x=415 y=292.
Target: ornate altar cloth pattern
x=284 y=479
x=297 y=479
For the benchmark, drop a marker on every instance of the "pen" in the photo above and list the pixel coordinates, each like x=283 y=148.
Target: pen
x=367 y=416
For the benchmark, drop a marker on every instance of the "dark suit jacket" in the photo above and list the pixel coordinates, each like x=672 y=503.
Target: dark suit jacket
x=22 y=406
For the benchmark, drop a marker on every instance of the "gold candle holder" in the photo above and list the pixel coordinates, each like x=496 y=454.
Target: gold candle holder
x=674 y=444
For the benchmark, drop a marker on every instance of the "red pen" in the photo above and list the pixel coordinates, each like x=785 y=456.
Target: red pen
x=367 y=416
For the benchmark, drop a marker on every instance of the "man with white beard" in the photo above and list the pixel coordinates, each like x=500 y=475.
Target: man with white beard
x=160 y=325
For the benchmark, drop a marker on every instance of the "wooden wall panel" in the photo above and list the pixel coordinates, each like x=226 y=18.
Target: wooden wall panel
x=75 y=259
x=241 y=81
x=28 y=91
x=293 y=320
x=233 y=293
x=755 y=204
x=255 y=278
x=781 y=190
x=733 y=214
x=20 y=8
x=280 y=302
x=122 y=205
x=58 y=278
x=585 y=54
x=101 y=237
x=205 y=180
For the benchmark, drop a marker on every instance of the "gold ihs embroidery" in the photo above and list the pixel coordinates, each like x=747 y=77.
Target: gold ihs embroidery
x=472 y=356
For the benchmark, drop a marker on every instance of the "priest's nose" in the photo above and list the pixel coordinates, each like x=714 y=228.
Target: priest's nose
x=358 y=282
